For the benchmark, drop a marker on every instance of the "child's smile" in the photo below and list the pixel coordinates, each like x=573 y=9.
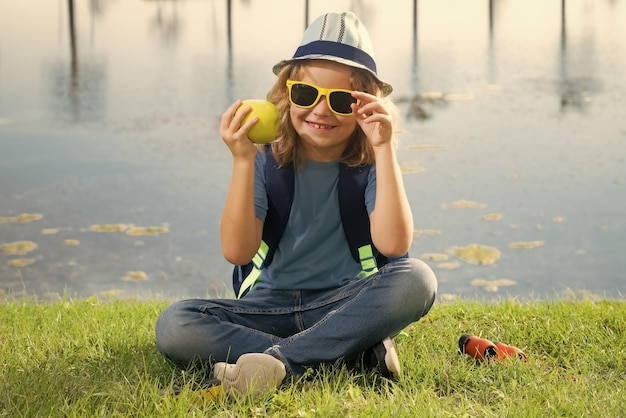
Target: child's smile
x=319 y=126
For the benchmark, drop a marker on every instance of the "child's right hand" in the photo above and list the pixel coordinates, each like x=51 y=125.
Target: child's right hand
x=234 y=133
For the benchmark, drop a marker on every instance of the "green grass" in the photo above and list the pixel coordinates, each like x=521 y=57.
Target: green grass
x=88 y=357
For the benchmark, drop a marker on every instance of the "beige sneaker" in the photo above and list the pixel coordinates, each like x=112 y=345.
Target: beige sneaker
x=253 y=373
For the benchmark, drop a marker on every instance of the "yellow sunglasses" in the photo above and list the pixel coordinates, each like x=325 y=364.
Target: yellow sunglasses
x=306 y=95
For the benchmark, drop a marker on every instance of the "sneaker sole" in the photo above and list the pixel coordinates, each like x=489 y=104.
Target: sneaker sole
x=391 y=358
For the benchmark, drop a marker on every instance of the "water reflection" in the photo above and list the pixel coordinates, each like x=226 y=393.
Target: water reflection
x=76 y=84
x=491 y=63
x=167 y=23
x=419 y=105
x=77 y=94
x=573 y=92
x=229 y=51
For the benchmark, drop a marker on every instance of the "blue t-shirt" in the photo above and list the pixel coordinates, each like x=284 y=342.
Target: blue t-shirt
x=313 y=252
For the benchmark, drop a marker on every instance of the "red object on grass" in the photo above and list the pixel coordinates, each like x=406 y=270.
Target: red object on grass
x=485 y=350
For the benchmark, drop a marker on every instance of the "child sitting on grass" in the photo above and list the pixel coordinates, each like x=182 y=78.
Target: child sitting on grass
x=312 y=301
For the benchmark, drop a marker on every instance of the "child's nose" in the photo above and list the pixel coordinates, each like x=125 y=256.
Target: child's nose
x=321 y=107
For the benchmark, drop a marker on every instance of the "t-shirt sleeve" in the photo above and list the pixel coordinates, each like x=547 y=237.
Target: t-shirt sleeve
x=260 y=194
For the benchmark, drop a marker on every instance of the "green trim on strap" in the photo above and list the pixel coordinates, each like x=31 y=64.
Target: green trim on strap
x=368 y=262
x=257 y=262
x=249 y=281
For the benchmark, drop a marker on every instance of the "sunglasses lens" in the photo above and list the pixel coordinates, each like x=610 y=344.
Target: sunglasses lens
x=303 y=95
x=340 y=101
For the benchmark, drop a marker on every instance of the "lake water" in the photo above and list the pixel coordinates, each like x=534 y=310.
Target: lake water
x=515 y=139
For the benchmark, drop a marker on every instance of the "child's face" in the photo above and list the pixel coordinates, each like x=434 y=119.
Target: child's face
x=324 y=135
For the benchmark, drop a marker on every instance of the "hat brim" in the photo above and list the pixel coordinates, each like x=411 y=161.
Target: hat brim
x=385 y=87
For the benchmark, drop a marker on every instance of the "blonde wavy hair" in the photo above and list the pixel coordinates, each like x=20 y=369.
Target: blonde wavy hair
x=287 y=147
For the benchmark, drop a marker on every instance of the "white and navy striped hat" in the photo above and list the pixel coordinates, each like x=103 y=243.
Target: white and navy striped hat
x=338 y=37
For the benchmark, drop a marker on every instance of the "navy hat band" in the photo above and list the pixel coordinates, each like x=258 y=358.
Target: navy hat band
x=336 y=49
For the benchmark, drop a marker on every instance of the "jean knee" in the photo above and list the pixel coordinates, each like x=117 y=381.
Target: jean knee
x=164 y=330
x=426 y=277
x=172 y=339
x=422 y=285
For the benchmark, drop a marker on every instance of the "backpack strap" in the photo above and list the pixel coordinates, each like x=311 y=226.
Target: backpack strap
x=279 y=185
x=356 y=220
x=354 y=217
x=244 y=277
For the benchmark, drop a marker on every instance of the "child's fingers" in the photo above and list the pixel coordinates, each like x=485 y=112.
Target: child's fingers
x=245 y=128
x=364 y=97
x=368 y=104
x=234 y=116
x=372 y=113
x=227 y=116
x=234 y=127
x=232 y=124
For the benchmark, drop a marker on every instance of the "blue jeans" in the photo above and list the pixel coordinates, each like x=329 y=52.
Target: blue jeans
x=302 y=328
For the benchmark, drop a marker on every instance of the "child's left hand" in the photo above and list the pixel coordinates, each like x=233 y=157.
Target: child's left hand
x=374 y=117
